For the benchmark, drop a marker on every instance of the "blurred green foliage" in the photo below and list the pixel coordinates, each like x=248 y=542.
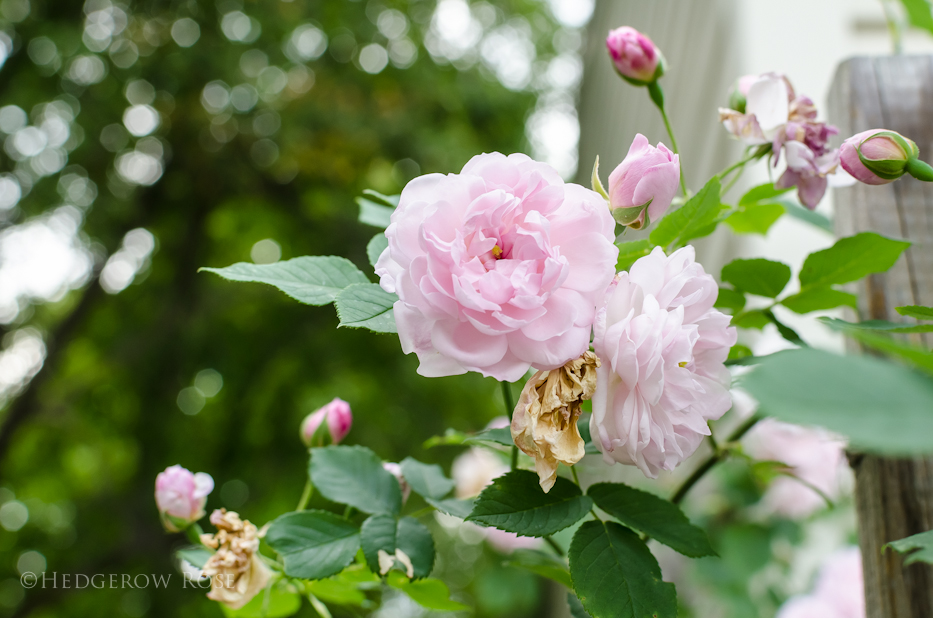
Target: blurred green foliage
x=103 y=417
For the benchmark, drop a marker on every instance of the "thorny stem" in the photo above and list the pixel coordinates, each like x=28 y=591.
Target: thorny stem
x=305 y=495
x=712 y=460
x=509 y=409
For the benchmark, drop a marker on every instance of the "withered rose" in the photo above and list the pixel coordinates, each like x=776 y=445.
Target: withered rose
x=544 y=424
x=237 y=572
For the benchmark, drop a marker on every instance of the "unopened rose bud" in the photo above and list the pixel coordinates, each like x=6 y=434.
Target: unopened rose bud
x=396 y=470
x=339 y=419
x=636 y=57
x=642 y=187
x=877 y=157
x=180 y=496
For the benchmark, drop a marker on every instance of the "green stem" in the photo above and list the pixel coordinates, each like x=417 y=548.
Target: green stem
x=712 y=460
x=576 y=479
x=657 y=97
x=194 y=532
x=509 y=410
x=557 y=548
x=894 y=26
x=305 y=495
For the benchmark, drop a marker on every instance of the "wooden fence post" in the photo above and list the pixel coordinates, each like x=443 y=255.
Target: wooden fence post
x=894 y=497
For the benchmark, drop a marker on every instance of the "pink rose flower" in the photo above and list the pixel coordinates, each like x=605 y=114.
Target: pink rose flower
x=339 y=420
x=839 y=591
x=645 y=182
x=634 y=55
x=180 y=496
x=813 y=455
x=808 y=172
x=880 y=149
x=662 y=347
x=497 y=268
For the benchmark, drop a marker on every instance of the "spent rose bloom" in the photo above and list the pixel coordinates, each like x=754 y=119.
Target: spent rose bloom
x=814 y=456
x=396 y=470
x=338 y=417
x=237 y=572
x=662 y=346
x=839 y=590
x=878 y=149
x=644 y=183
x=634 y=55
x=497 y=268
x=180 y=496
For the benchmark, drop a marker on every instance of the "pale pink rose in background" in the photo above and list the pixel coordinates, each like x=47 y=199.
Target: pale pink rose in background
x=767 y=109
x=339 y=419
x=498 y=268
x=396 y=470
x=807 y=172
x=634 y=55
x=647 y=177
x=662 y=347
x=880 y=148
x=814 y=456
x=180 y=496
x=507 y=542
x=839 y=591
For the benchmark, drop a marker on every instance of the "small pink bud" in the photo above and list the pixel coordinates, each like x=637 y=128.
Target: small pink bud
x=635 y=56
x=339 y=420
x=884 y=156
x=645 y=182
x=180 y=496
x=396 y=470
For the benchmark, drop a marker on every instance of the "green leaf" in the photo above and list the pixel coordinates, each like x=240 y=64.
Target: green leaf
x=281 y=601
x=576 y=607
x=630 y=252
x=429 y=593
x=313 y=544
x=883 y=343
x=496 y=435
x=850 y=259
x=755 y=218
x=337 y=591
x=354 y=475
x=819 y=299
x=313 y=280
x=378 y=533
x=919 y=14
x=756 y=318
x=757 y=276
x=416 y=541
x=762 y=193
x=660 y=519
x=730 y=299
x=615 y=575
x=916 y=311
x=375 y=209
x=878 y=325
x=366 y=305
x=516 y=503
x=426 y=480
x=917 y=548
x=453 y=506
x=540 y=563
x=195 y=556
x=391 y=201
x=881 y=406
x=786 y=331
x=375 y=247
x=807 y=216
x=738 y=352
x=687 y=222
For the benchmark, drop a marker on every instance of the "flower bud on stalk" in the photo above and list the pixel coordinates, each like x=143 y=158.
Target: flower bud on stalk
x=180 y=496
x=316 y=432
x=635 y=56
x=877 y=157
x=642 y=187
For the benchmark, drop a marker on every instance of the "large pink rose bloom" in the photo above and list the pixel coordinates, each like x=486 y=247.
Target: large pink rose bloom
x=498 y=268
x=181 y=496
x=662 y=377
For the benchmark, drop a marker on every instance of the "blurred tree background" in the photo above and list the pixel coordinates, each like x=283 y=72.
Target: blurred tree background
x=147 y=138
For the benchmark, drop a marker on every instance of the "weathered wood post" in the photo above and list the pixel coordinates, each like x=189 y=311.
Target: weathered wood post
x=894 y=497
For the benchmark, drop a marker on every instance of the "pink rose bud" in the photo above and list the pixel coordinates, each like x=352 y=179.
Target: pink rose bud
x=877 y=157
x=642 y=187
x=635 y=56
x=339 y=420
x=396 y=470
x=180 y=496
